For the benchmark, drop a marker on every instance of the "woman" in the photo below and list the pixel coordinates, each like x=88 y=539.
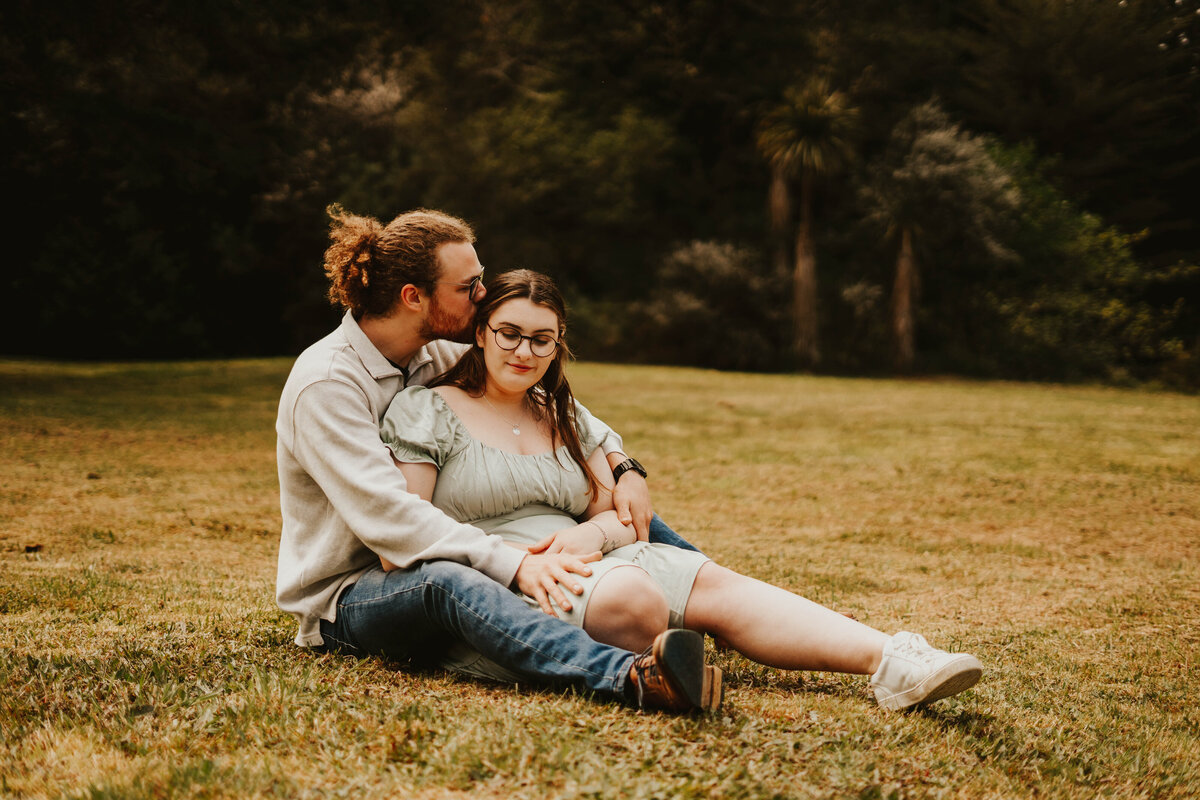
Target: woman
x=500 y=443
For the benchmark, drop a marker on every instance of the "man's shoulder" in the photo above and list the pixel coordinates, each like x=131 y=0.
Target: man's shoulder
x=446 y=353
x=433 y=359
x=330 y=358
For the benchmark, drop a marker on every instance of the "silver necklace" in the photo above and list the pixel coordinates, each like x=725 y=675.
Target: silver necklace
x=516 y=426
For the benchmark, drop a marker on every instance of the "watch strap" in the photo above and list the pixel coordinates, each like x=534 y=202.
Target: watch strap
x=627 y=465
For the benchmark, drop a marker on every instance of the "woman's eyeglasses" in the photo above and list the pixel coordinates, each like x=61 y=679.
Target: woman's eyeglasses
x=511 y=338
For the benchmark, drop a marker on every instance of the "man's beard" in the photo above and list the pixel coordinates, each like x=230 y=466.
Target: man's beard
x=440 y=325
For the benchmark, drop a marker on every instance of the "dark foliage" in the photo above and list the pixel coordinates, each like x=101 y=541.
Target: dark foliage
x=168 y=165
x=716 y=305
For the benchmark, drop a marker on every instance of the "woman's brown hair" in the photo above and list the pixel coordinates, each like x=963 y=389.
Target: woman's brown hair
x=368 y=264
x=550 y=398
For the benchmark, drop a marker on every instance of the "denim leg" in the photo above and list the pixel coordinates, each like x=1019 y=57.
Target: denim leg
x=420 y=612
x=662 y=533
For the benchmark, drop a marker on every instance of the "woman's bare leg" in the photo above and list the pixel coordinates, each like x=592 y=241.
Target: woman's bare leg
x=777 y=628
x=627 y=609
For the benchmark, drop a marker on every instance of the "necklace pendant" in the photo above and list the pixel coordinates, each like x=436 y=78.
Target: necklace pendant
x=516 y=430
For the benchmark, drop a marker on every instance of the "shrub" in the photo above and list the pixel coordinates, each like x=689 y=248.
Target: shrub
x=716 y=305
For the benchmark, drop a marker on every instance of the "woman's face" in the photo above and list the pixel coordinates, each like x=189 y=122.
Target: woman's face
x=518 y=369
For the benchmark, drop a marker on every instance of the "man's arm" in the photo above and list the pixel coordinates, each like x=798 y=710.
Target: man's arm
x=631 y=497
x=336 y=440
x=539 y=576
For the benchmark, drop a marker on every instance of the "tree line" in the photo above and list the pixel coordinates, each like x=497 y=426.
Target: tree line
x=988 y=187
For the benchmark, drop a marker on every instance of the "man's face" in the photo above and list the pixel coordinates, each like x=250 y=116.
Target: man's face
x=451 y=312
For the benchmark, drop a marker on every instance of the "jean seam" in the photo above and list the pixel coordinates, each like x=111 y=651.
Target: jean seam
x=386 y=597
x=339 y=643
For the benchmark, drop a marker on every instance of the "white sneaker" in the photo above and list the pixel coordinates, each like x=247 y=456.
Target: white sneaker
x=913 y=672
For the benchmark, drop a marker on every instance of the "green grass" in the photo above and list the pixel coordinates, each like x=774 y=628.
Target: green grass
x=1053 y=531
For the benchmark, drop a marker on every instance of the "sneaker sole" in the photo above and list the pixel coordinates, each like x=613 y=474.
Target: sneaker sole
x=680 y=656
x=957 y=676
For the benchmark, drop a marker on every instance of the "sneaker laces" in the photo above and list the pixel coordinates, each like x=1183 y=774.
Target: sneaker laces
x=913 y=646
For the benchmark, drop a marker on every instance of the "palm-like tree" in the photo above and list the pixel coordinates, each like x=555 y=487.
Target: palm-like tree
x=935 y=178
x=805 y=137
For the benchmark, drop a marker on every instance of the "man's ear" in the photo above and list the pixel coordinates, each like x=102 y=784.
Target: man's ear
x=411 y=298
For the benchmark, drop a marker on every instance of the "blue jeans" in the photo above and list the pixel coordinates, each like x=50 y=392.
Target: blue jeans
x=421 y=613
x=424 y=612
x=660 y=532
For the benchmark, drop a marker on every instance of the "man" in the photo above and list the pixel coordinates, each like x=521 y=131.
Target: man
x=410 y=291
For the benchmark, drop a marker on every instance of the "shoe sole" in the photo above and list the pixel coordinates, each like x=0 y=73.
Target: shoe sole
x=713 y=692
x=680 y=655
x=957 y=676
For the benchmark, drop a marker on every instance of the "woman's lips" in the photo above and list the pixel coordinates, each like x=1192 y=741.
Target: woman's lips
x=521 y=368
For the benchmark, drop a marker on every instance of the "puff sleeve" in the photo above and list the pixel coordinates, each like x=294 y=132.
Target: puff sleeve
x=592 y=432
x=418 y=427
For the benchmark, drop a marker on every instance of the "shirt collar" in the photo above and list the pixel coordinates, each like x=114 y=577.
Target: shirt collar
x=376 y=362
x=419 y=359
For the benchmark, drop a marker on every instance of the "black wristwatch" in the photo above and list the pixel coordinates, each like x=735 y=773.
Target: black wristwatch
x=625 y=466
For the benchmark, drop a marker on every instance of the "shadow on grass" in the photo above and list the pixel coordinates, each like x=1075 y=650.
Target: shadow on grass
x=965 y=721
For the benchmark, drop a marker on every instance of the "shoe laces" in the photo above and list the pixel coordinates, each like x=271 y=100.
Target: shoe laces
x=913 y=646
x=645 y=668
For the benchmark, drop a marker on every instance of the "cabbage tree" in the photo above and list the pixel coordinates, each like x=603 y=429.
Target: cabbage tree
x=804 y=138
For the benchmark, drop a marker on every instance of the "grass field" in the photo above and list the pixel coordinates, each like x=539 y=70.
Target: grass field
x=1052 y=531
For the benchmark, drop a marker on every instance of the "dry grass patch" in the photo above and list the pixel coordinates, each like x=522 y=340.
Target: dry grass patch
x=1054 y=531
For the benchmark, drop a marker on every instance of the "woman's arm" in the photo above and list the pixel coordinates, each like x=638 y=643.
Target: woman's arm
x=602 y=512
x=631 y=495
x=600 y=529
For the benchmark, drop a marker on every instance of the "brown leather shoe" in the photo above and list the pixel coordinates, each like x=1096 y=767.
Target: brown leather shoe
x=671 y=674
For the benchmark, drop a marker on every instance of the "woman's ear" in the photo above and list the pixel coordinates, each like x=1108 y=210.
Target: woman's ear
x=480 y=334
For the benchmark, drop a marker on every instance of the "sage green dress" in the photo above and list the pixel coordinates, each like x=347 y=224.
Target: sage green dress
x=522 y=498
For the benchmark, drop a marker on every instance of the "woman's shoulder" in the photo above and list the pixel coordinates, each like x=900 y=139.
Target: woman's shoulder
x=446 y=391
x=412 y=397
x=452 y=398
x=418 y=402
x=419 y=421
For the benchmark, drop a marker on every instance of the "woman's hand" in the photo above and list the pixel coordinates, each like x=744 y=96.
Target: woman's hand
x=543 y=576
x=581 y=539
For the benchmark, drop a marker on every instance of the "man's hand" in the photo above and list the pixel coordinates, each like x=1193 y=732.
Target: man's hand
x=580 y=540
x=631 y=498
x=539 y=576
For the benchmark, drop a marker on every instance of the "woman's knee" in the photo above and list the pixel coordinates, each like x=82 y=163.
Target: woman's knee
x=628 y=600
